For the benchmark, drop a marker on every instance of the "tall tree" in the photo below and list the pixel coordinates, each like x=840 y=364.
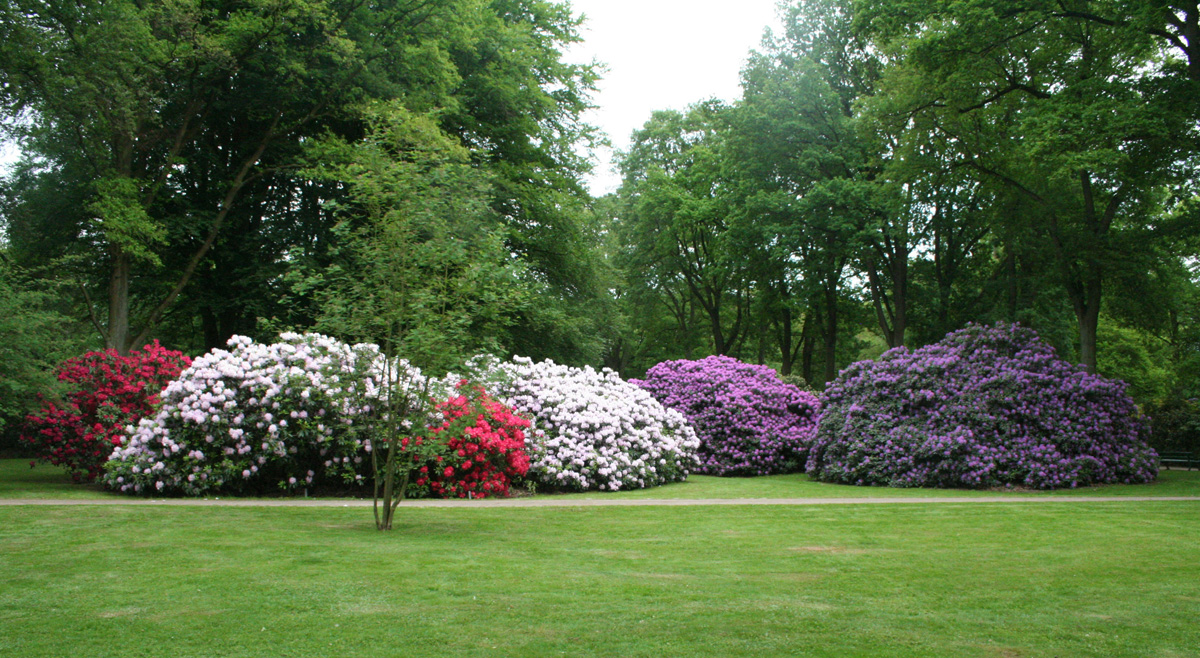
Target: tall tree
x=1082 y=119
x=676 y=216
x=189 y=133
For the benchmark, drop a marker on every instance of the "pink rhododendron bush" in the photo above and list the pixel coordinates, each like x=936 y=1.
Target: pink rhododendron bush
x=258 y=416
x=984 y=407
x=591 y=429
x=749 y=421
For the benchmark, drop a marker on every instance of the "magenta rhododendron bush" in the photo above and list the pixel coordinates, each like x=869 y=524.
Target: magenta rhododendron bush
x=256 y=416
x=749 y=421
x=107 y=392
x=984 y=407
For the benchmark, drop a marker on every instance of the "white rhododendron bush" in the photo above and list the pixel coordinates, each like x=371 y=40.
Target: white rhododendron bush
x=258 y=416
x=591 y=429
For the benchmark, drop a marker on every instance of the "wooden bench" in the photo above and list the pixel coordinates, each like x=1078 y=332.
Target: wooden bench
x=1184 y=459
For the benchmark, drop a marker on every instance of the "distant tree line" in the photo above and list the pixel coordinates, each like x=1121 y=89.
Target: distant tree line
x=408 y=172
x=895 y=170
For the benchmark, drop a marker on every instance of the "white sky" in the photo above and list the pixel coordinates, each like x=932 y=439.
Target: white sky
x=662 y=54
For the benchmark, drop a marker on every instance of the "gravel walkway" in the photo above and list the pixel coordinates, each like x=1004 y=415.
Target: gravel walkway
x=582 y=502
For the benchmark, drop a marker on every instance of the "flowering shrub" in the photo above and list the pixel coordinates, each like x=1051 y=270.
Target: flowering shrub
x=591 y=430
x=107 y=392
x=256 y=415
x=477 y=450
x=749 y=421
x=985 y=407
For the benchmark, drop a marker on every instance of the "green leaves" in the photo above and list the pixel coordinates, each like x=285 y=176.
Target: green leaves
x=123 y=221
x=422 y=269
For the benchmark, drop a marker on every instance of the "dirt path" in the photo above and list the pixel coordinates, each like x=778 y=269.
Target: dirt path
x=582 y=502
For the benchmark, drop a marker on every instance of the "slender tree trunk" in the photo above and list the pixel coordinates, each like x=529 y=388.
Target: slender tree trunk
x=831 y=326
x=899 y=297
x=1087 y=315
x=809 y=348
x=117 y=336
x=1010 y=267
x=785 y=342
x=212 y=331
x=714 y=320
x=762 y=339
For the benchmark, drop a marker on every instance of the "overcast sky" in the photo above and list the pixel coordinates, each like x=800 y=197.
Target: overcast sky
x=663 y=54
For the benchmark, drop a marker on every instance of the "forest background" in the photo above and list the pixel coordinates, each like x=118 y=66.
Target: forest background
x=410 y=172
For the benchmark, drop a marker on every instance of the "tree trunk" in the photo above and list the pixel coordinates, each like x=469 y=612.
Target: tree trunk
x=785 y=342
x=117 y=336
x=208 y=323
x=899 y=297
x=831 y=325
x=806 y=352
x=1087 y=314
x=714 y=319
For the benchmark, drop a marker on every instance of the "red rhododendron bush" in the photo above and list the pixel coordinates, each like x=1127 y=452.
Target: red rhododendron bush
x=476 y=452
x=108 y=391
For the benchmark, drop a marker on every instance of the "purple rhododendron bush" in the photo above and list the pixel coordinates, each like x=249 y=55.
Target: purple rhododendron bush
x=749 y=421
x=985 y=407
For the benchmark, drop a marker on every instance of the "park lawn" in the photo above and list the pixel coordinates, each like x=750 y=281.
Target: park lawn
x=1088 y=579
x=1169 y=483
x=18 y=480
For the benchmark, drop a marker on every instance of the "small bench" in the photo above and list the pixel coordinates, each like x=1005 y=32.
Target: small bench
x=1184 y=459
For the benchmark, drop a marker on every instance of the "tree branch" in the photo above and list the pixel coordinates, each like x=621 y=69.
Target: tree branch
x=235 y=188
x=87 y=299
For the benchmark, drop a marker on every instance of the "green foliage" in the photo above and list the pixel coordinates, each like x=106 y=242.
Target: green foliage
x=124 y=222
x=35 y=336
x=184 y=130
x=422 y=268
x=1137 y=358
x=1081 y=119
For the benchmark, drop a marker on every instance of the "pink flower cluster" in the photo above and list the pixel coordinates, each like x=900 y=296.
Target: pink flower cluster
x=254 y=416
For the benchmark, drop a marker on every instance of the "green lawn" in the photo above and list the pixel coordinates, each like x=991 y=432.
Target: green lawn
x=1169 y=483
x=1093 y=579
x=18 y=480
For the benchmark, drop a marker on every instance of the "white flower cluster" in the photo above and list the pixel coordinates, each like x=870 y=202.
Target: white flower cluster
x=592 y=429
x=282 y=413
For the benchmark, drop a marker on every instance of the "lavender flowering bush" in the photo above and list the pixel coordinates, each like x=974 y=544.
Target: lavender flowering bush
x=985 y=407
x=281 y=414
x=749 y=421
x=591 y=429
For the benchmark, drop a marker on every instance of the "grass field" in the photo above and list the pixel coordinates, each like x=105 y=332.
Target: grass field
x=18 y=480
x=1091 y=579
x=1087 y=579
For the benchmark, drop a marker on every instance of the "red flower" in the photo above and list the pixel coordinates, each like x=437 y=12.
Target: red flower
x=109 y=392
